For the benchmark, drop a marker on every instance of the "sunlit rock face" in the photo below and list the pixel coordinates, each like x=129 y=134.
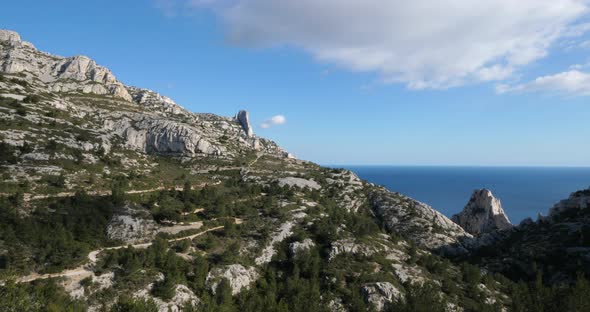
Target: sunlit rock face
x=482 y=214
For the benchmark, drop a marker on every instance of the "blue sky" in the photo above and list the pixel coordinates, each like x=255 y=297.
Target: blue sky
x=353 y=88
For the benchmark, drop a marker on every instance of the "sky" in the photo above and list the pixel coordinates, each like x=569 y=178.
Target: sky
x=376 y=82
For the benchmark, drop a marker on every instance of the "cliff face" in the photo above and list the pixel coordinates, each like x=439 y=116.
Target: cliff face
x=483 y=213
x=146 y=121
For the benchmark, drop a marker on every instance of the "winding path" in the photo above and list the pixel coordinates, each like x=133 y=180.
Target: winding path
x=85 y=269
x=29 y=196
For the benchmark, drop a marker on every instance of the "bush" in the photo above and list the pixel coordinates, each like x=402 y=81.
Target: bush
x=26 y=148
x=21 y=111
x=126 y=304
x=51 y=146
x=84 y=137
x=33 y=98
x=7 y=153
x=56 y=181
x=19 y=82
x=165 y=289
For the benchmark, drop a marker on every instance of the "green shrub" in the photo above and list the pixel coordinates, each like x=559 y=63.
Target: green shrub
x=21 y=111
x=26 y=148
x=19 y=82
x=32 y=98
x=127 y=304
x=7 y=153
x=165 y=289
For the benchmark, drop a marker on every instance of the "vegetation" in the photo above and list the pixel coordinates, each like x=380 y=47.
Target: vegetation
x=76 y=225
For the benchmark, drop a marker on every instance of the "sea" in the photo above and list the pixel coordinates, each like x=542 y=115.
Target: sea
x=524 y=191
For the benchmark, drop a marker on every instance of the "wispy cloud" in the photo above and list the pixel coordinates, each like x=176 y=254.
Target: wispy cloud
x=273 y=121
x=569 y=83
x=423 y=44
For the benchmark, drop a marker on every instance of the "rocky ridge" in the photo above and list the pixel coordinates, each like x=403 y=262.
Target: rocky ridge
x=147 y=121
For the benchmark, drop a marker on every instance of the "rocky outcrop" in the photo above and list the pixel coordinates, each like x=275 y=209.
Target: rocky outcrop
x=238 y=276
x=482 y=214
x=243 y=117
x=414 y=220
x=131 y=226
x=297 y=248
x=284 y=231
x=183 y=296
x=156 y=101
x=164 y=137
x=380 y=294
x=299 y=182
x=77 y=73
x=577 y=200
x=350 y=246
x=9 y=36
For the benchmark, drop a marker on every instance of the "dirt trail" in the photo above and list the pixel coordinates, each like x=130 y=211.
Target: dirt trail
x=30 y=196
x=85 y=270
x=258 y=155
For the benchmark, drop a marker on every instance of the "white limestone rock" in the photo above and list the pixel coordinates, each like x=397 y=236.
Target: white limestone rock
x=299 y=182
x=299 y=247
x=182 y=296
x=414 y=220
x=284 y=231
x=154 y=100
x=238 y=276
x=380 y=294
x=351 y=246
x=160 y=136
x=77 y=73
x=9 y=35
x=482 y=214
x=131 y=227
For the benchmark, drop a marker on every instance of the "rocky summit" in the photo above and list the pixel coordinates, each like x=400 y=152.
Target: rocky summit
x=116 y=198
x=483 y=213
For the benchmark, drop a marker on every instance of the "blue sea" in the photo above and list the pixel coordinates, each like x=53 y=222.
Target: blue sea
x=524 y=191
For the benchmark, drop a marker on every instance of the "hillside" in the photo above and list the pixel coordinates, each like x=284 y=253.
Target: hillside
x=116 y=198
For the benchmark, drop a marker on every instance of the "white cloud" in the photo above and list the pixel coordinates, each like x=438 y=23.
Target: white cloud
x=571 y=82
x=273 y=121
x=421 y=43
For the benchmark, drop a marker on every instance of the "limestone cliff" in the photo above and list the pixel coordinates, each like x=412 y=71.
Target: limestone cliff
x=483 y=213
x=145 y=120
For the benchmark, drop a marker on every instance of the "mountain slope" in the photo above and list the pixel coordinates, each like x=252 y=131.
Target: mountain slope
x=114 y=197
